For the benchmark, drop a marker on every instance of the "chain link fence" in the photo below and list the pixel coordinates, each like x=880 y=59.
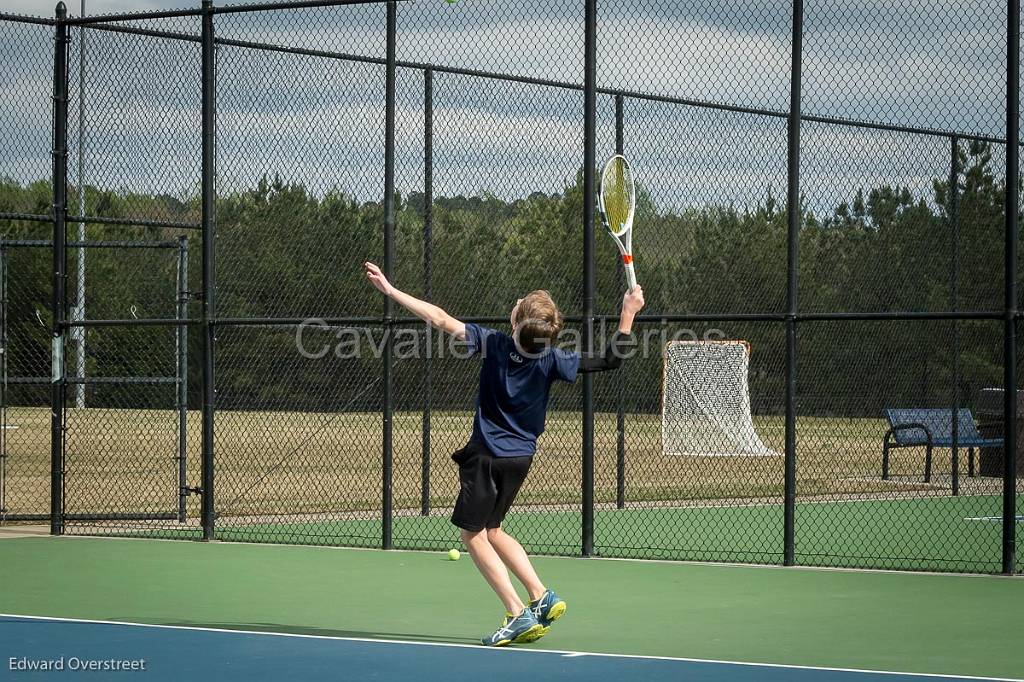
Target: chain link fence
x=122 y=380
x=854 y=238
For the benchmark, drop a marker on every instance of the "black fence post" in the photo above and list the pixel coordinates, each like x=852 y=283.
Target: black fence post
x=1010 y=278
x=620 y=416
x=793 y=241
x=181 y=347
x=428 y=275
x=59 y=303
x=3 y=377
x=209 y=272
x=389 y=271
x=589 y=154
x=954 y=297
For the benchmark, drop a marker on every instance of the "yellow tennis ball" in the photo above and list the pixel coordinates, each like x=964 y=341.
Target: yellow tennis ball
x=453 y=554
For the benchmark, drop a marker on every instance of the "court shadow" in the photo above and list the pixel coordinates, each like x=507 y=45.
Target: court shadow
x=324 y=632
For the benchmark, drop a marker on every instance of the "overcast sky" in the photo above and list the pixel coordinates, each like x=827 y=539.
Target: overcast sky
x=918 y=63
x=46 y=7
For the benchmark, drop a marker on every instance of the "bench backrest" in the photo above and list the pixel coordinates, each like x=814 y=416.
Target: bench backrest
x=939 y=422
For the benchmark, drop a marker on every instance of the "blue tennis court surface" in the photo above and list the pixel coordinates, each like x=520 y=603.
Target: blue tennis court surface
x=175 y=653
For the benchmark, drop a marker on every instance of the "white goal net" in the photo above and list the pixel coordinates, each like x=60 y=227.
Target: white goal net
x=705 y=406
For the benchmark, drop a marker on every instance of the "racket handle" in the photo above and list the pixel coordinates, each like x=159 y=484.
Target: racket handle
x=630 y=275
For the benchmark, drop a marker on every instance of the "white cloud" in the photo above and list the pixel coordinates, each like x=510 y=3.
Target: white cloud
x=695 y=61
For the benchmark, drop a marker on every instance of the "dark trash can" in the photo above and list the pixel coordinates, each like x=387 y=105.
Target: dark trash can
x=990 y=425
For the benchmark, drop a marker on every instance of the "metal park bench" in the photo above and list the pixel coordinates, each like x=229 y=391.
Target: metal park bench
x=932 y=428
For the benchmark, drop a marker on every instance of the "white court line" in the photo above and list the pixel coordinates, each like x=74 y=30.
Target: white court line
x=478 y=647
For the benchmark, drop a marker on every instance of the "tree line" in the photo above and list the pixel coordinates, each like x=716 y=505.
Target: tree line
x=283 y=251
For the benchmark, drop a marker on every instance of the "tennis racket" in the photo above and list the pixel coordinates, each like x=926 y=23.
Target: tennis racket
x=617 y=200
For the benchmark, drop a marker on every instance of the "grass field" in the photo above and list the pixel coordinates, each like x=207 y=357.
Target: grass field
x=304 y=477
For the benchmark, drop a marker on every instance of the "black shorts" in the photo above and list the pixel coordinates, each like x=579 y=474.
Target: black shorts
x=487 y=486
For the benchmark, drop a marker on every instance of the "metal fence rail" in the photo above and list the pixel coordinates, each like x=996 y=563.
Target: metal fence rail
x=864 y=245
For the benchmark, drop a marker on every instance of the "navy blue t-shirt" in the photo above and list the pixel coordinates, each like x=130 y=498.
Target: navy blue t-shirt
x=513 y=396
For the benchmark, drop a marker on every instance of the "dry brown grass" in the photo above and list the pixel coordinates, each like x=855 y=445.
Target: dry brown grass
x=304 y=463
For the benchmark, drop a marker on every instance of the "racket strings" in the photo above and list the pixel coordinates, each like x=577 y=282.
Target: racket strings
x=617 y=194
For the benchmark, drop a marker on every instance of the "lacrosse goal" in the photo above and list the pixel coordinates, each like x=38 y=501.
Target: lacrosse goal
x=706 y=400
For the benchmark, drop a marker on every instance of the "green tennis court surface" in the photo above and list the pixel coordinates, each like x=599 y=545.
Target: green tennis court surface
x=914 y=623
x=870 y=533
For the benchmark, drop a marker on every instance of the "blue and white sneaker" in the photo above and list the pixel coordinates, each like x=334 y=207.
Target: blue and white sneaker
x=549 y=608
x=515 y=629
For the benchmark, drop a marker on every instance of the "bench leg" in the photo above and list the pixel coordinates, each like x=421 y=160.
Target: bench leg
x=885 y=461
x=928 y=465
x=970 y=462
x=956 y=471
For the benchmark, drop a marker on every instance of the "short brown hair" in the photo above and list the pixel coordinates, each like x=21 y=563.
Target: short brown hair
x=538 y=321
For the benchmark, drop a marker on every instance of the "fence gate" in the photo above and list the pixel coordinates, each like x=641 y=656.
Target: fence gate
x=24 y=390
x=125 y=412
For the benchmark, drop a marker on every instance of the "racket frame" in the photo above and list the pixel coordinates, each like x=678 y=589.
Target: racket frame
x=624 y=238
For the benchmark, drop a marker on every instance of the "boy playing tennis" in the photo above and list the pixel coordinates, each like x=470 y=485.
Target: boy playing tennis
x=515 y=379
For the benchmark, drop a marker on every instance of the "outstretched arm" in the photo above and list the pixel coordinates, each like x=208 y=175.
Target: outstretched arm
x=622 y=343
x=632 y=303
x=428 y=312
